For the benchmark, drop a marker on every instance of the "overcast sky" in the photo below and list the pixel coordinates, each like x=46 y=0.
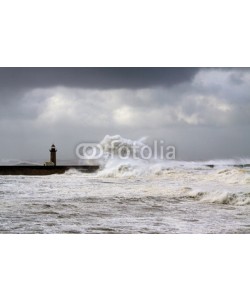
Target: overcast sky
x=203 y=112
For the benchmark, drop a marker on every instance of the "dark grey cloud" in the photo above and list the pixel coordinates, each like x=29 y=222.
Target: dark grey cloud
x=98 y=78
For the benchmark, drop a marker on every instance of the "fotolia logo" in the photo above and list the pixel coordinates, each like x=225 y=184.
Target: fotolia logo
x=97 y=151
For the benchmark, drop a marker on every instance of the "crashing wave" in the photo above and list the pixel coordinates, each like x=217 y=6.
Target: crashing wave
x=114 y=146
x=220 y=197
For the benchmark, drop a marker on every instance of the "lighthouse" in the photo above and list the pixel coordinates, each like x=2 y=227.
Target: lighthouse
x=53 y=151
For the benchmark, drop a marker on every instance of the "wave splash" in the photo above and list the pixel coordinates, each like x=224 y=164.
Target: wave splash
x=221 y=197
x=117 y=163
x=114 y=166
x=214 y=181
x=116 y=145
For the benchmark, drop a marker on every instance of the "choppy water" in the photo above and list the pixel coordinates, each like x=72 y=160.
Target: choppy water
x=129 y=197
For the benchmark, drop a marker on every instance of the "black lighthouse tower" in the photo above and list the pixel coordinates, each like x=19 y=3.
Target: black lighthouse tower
x=53 y=151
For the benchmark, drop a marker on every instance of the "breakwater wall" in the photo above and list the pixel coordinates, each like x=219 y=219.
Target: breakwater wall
x=44 y=170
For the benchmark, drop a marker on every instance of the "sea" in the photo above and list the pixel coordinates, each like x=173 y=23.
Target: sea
x=130 y=197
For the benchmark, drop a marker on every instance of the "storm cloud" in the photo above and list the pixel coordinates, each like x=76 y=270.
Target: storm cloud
x=204 y=112
x=98 y=78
